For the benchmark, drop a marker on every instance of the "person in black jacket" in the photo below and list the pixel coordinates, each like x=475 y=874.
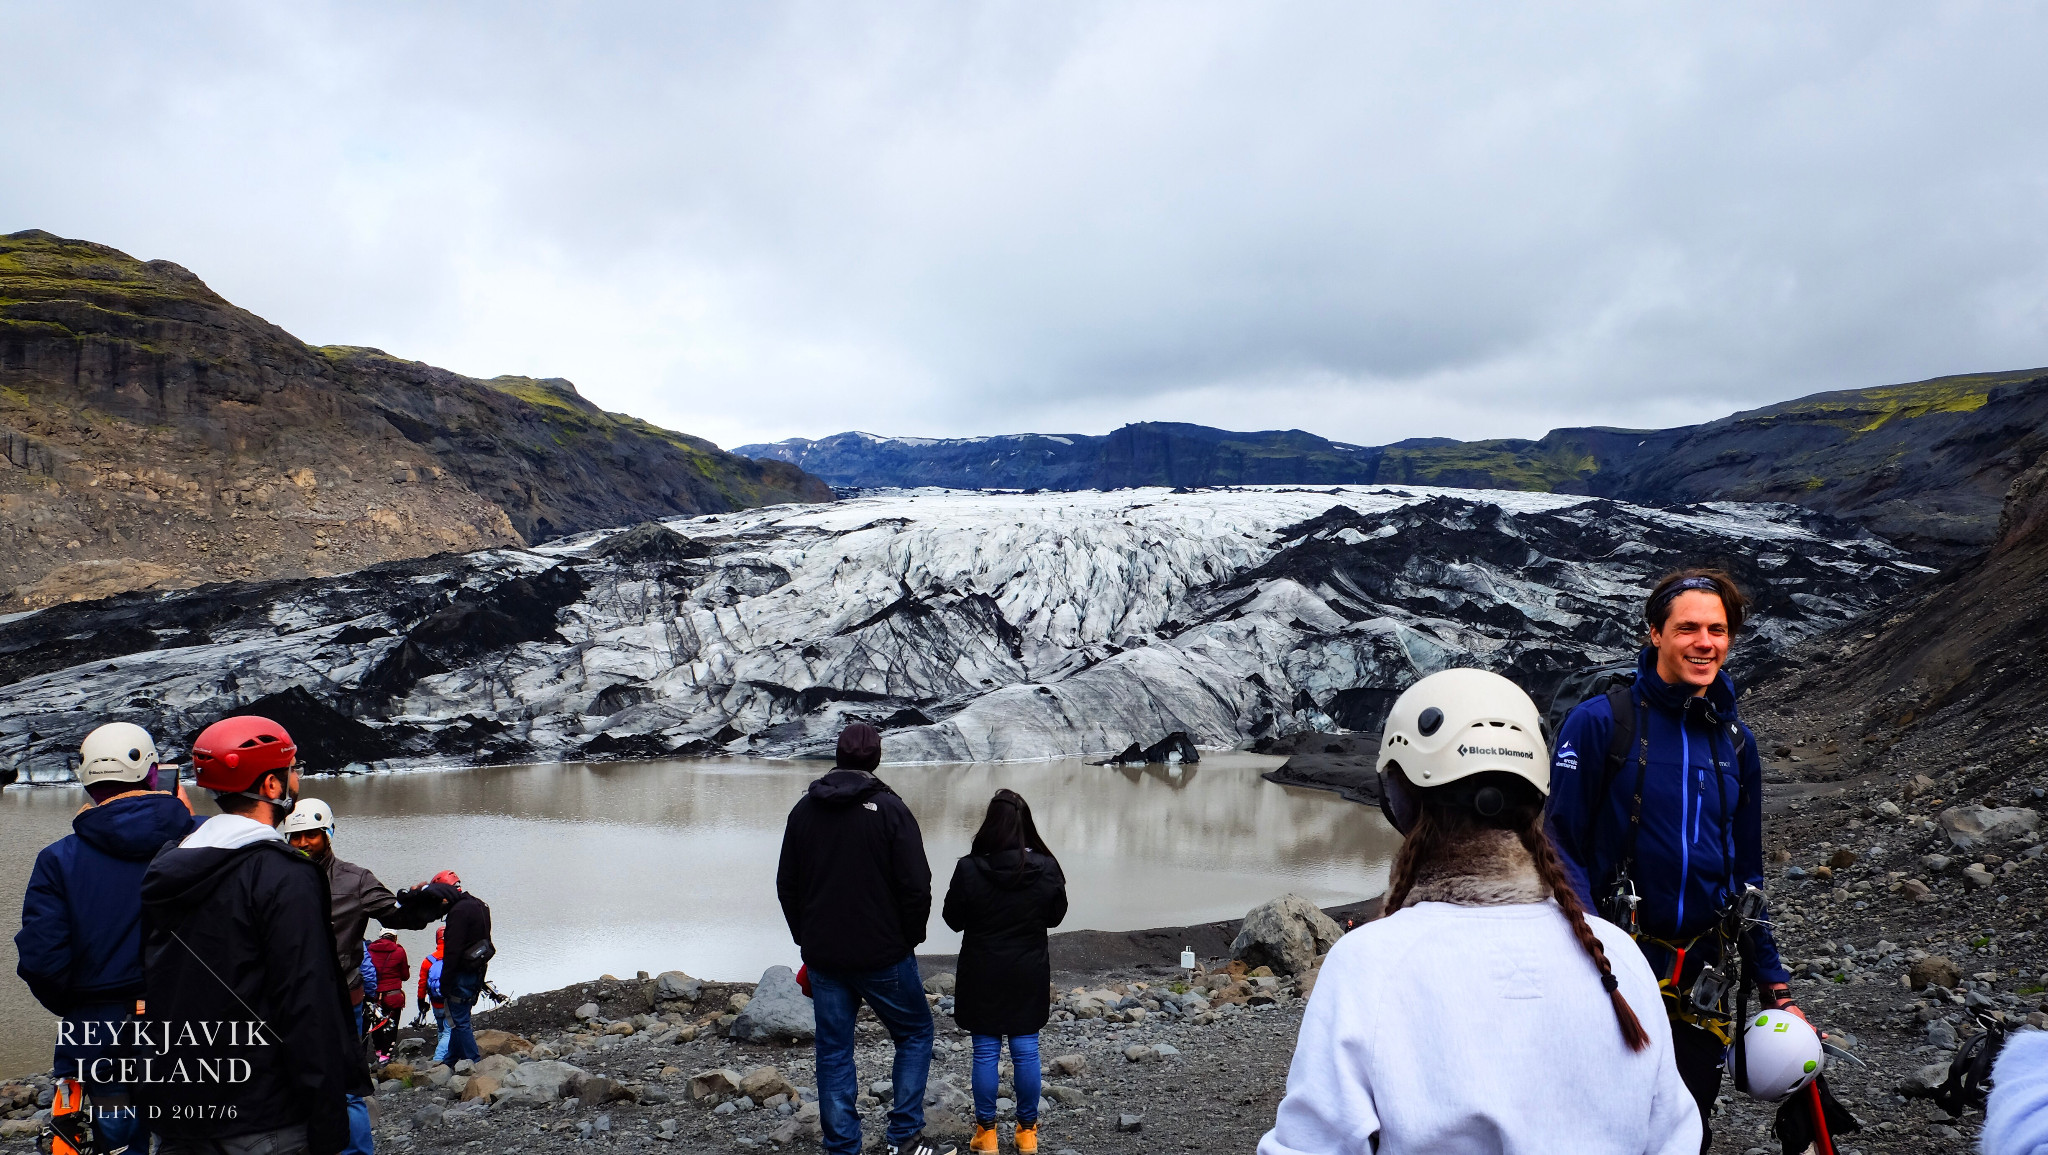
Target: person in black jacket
x=466 y=961
x=1006 y=893
x=856 y=891
x=249 y=1036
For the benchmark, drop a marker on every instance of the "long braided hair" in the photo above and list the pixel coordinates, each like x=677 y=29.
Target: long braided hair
x=1439 y=825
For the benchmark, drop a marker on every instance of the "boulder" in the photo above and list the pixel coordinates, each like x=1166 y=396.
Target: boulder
x=1285 y=934
x=496 y=1066
x=714 y=1086
x=677 y=985
x=479 y=1087
x=543 y=1081
x=1976 y=827
x=939 y=984
x=596 y=1091
x=587 y=1011
x=779 y=1010
x=1936 y=970
x=1924 y=1081
x=501 y=1043
x=764 y=1083
x=1075 y=1064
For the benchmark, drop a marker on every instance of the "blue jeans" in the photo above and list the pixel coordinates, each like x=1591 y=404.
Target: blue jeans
x=441 y=1043
x=897 y=995
x=359 y=1140
x=461 y=991
x=988 y=1053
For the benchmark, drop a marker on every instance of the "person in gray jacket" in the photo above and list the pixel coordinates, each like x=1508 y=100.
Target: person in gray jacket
x=354 y=898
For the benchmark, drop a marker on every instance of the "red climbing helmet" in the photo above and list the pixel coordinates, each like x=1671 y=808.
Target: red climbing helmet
x=233 y=754
x=448 y=876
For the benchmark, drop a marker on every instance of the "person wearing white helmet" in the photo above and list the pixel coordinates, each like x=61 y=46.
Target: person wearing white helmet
x=355 y=896
x=80 y=944
x=1468 y=1016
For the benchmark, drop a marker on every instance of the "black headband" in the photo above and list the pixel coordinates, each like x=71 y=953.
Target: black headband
x=1662 y=602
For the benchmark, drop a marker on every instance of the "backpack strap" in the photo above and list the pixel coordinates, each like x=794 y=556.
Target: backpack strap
x=1623 y=742
x=1621 y=704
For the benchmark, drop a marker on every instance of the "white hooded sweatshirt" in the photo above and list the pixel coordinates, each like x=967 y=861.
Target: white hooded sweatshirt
x=1451 y=1028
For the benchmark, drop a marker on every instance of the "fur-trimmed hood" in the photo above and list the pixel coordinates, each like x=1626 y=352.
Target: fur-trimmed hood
x=1485 y=868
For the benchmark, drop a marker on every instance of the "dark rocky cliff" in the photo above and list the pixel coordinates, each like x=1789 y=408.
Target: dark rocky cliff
x=156 y=435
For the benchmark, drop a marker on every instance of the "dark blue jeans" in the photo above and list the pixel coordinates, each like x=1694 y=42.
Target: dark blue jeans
x=1028 y=1078
x=897 y=995
x=462 y=988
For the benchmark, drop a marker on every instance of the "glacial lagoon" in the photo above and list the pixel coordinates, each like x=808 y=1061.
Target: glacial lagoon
x=627 y=866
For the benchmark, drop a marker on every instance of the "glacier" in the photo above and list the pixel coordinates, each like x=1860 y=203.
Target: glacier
x=970 y=626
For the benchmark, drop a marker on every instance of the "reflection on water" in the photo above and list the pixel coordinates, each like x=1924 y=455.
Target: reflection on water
x=620 y=867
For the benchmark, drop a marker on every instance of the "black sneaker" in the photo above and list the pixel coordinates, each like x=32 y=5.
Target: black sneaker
x=919 y=1145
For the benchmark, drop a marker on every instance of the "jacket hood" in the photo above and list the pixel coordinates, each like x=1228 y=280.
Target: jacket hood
x=133 y=827
x=180 y=877
x=1001 y=869
x=1658 y=692
x=843 y=788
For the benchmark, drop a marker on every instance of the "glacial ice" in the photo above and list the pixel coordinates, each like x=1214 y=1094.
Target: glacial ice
x=970 y=626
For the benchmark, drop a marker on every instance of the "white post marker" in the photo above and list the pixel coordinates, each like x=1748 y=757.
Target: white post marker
x=1187 y=958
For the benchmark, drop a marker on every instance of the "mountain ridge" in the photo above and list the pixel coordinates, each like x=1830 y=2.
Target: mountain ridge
x=158 y=436
x=1925 y=463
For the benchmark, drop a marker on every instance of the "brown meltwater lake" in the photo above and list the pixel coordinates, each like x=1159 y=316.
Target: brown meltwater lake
x=627 y=866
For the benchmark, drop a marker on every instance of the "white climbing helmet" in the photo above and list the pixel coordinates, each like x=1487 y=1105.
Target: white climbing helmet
x=116 y=752
x=1453 y=725
x=1781 y=1053
x=309 y=814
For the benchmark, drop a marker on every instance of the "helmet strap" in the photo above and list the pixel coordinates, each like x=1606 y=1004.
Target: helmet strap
x=284 y=801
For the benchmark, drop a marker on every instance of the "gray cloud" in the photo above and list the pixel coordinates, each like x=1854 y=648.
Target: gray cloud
x=1370 y=221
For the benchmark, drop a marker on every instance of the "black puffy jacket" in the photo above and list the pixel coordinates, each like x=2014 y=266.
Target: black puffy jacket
x=853 y=881
x=231 y=936
x=1004 y=982
x=469 y=923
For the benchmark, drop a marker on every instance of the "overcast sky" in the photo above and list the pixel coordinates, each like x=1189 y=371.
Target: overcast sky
x=755 y=221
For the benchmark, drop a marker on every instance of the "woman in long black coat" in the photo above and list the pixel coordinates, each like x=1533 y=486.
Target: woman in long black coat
x=1005 y=895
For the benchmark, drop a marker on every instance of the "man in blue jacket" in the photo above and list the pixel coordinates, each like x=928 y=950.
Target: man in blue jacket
x=1676 y=817
x=80 y=942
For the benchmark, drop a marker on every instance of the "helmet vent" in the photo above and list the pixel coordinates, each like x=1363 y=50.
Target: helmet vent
x=1430 y=721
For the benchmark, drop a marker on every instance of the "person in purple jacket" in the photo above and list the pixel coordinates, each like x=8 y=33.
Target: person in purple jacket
x=1656 y=807
x=80 y=944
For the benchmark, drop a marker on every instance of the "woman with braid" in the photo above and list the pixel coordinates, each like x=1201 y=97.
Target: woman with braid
x=1483 y=1011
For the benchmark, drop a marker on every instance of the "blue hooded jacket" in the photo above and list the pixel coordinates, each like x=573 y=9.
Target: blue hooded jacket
x=1702 y=826
x=80 y=943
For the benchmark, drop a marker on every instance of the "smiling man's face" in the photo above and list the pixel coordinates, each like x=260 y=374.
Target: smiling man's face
x=1693 y=641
